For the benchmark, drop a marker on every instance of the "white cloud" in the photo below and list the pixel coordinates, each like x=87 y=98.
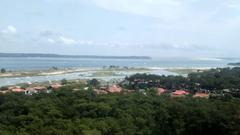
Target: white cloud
x=67 y=41
x=51 y=40
x=58 y=37
x=10 y=30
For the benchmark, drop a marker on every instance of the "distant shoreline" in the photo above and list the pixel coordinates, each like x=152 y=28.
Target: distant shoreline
x=234 y=64
x=70 y=56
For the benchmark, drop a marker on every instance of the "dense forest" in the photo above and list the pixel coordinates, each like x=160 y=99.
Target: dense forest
x=84 y=112
x=67 y=112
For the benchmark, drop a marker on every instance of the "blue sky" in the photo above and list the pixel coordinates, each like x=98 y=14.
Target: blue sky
x=162 y=28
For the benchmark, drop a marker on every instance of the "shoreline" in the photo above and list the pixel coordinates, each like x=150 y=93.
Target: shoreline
x=107 y=74
x=49 y=72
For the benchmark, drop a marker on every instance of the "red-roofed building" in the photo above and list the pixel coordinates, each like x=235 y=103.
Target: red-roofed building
x=56 y=86
x=179 y=93
x=39 y=88
x=18 y=90
x=114 y=89
x=160 y=91
x=201 y=95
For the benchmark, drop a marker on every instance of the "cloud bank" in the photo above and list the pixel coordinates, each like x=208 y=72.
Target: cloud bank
x=150 y=27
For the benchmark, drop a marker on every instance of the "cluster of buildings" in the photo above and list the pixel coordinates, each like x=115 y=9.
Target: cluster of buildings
x=32 y=89
x=160 y=91
x=173 y=93
x=182 y=93
x=113 y=88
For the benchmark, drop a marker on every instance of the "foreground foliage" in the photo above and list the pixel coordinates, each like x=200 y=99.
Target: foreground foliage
x=85 y=113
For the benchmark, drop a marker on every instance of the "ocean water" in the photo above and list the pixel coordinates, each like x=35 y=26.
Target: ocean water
x=46 y=63
x=16 y=64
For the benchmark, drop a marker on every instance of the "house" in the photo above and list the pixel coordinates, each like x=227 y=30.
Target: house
x=179 y=93
x=76 y=89
x=114 y=89
x=40 y=89
x=30 y=91
x=103 y=88
x=226 y=90
x=56 y=86
x=201 y=95
x=100 y=91
x=3 y=91
x=160 y=91
x=17 y=90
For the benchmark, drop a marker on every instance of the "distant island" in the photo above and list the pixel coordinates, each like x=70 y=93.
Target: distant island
x=234 y=64
x=70 y=56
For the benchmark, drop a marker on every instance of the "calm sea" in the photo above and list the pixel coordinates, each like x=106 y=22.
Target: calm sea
x=46 y=63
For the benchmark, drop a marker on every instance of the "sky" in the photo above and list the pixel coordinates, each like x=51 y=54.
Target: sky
x=157 y=28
